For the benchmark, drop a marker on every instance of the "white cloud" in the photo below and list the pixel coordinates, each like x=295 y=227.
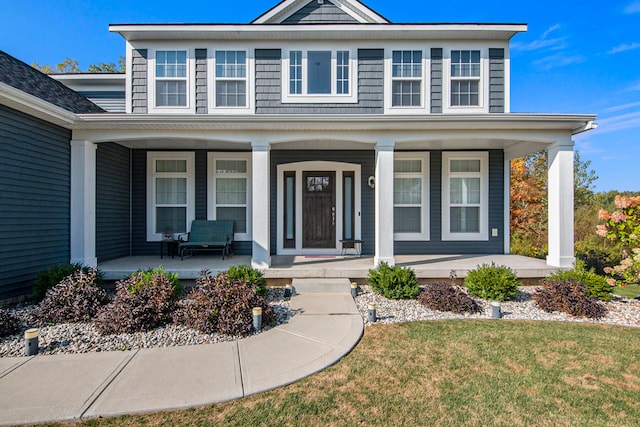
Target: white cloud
x=632 y=8
x=621 y=122
x=625 y=47
x=621 y=107
x=555 y=43
x=558 y=60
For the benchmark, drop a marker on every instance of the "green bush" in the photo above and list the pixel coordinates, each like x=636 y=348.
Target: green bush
x=47 y=279
x=146 y=278
x=76 y=298
x=9 y=323
x=596 y=286
x=248 y=274
x=492 y=282
x=596 y=258
x=394 y=282
x=143 y=302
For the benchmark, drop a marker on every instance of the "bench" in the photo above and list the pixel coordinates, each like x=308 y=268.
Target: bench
x=209 y=236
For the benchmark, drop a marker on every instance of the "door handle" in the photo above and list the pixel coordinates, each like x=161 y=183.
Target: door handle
x=333 y=215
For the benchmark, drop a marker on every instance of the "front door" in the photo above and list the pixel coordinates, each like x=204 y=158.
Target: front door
x=319 y=210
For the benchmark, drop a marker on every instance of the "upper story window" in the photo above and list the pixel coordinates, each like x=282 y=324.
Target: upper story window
x=317 y=76
x=231 y=78
x=465 y=78
x=406 y=70
x=171 y=78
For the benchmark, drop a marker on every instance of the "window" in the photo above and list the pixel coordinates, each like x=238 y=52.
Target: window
x=170 y=193
x=230 y=189
x=171 y=78
x=406 y=86
x=410 y=190
x=465 y=78
x=317 y=76
x=231 y=78
x=465 y=196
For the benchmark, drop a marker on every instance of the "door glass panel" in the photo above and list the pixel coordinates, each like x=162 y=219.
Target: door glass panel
x=290 y=207
x=318 y=184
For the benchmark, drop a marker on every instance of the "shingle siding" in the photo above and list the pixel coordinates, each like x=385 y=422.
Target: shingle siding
x=35 y=161
x=436 y=80
x=370 y=86
x=496 y=81
x=110 y=101
x=139 y=90
x=113 y=202
x=314 y=13
x=201 y=81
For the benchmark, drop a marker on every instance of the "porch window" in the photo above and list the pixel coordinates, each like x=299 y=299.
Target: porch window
x=231 y=78
x=465 y=196
x=410 y=200
x=171 y=78
x=319 y=76
x=231 y=193
x=289 y=239
x=170 y=193
x=465 y=78
x=406 y=86
x=348 y=195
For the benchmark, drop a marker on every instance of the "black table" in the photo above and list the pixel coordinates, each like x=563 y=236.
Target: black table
x=172 y=247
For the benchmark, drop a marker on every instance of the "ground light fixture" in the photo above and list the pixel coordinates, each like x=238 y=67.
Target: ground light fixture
x=31 y=341
x=257 y=319
x=371 y=317
x=496 y=310
x=354 y=289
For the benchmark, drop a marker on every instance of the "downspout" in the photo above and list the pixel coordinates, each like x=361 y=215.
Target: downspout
x=130 y=202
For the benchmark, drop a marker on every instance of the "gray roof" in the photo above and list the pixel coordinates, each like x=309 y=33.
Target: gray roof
x=21 y=76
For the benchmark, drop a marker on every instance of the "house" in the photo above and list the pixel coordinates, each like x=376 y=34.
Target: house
x=319 y=122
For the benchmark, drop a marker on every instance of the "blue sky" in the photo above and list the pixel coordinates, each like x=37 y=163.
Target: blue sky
x=579 y=56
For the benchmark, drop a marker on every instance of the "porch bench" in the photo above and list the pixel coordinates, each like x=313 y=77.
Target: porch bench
x=209 y=236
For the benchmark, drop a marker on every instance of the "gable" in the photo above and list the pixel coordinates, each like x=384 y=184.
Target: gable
x=320 y=12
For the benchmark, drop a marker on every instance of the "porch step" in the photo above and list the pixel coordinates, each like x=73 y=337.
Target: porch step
x=326 y=286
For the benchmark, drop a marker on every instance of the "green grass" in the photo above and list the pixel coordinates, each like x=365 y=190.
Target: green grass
x=451 y=373
x=628 y=291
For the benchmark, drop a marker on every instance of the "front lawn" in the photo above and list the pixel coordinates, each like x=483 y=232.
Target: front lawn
x=452 y=373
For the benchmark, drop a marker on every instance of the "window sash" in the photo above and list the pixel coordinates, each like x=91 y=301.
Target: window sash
x=295 y=72
x=231 y=78
x=231 y=192
x=406 y=84
x=465 y=93
x=320 y=73
x=409 y=194
x=465 y=63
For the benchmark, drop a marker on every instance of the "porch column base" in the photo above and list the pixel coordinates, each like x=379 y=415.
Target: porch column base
x=261 y=264
x=89 y=262
x=391 y=261
x=561 y=262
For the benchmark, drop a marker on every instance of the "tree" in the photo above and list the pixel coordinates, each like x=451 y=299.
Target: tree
x=70 y=66
x=46 y=69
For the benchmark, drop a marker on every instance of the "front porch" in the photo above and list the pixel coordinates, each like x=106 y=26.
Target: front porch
x=284 y=268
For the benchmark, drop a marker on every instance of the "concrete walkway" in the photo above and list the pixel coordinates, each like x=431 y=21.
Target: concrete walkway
x=44 y=388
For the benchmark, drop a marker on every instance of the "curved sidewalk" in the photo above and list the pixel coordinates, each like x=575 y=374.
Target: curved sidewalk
x=325 y=327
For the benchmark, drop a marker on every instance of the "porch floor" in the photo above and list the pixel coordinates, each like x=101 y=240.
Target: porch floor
x=352 y=267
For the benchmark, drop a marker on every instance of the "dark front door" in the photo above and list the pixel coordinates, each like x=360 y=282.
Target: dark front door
x=319 y=210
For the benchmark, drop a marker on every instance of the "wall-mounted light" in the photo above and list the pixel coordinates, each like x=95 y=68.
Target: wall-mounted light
x=372 y=181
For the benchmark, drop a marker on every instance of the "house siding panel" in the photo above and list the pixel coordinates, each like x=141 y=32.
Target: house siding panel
x=436 y=80
x=496 y=81
x=35 y=159
x=110 y=101
x=364 y=158
x=269 y=86
x=113 y=202
x=139 y=98
x=314 y=13
x=495 y=245
x=201 y=81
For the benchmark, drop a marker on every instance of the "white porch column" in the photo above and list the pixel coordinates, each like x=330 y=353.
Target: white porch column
x=83 y=202
x=507 y=205
x=561 y=204
x=384 y=203
x=261 y=256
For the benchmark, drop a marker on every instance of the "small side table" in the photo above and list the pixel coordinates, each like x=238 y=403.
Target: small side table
x=172 y=247
x=352 y=244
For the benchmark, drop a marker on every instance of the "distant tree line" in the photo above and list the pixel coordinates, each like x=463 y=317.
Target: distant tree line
x=70 y=66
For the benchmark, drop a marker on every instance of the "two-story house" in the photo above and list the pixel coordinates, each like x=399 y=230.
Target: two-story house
x=320 y=121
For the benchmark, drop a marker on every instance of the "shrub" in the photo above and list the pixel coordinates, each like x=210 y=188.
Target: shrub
x=142 y=303
x=492 y=282
x=146 y=277
x=248 y=274
x=76 y=298
x=222 y=304
x=9 y=323
x=394 y=282
x=47 y=279
x=597 y=258
x=596 y=286
x=443 y=296
x=569 y=297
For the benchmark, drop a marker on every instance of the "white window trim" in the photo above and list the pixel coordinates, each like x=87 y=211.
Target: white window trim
x=317 y=166
x=191 y=81
x=424 y=175
x=483 y=85
x=483 y=234
x=388 y=82
x=334 y=97
x=211 y=188
x=152 y=156
x=211 y=80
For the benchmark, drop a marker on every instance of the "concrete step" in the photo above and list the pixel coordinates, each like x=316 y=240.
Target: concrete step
x=326 y=286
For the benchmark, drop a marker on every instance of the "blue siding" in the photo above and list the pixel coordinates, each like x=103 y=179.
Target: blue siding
x=436 y=80
x=496 y=80
x=113 y=202
x=370 y=86
x=35 y=161
x=364 y=158
x=495 y=245
x=139 y=81
x=314 y=13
